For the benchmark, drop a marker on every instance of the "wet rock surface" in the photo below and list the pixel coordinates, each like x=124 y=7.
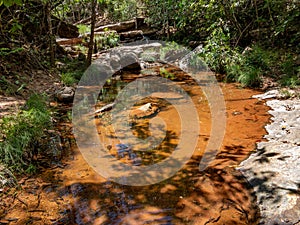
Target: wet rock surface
x=274 y=169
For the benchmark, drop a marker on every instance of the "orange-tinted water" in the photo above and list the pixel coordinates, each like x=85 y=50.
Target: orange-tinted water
x=75 y=194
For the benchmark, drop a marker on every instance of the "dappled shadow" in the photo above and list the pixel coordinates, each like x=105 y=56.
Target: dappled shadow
x=218 y=195
x=265 y=180
x=189 y=197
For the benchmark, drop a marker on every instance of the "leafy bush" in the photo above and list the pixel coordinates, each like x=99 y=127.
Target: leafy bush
x=20 y=133
x=249 y=66
x=108 y=40
x=9 y=3
x=83 y=29
x=290 y=71
x=217 y=51
x=258 y=62
x=247 y=21
x=121 y=10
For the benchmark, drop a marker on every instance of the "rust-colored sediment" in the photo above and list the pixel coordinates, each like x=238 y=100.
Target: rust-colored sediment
x=75 y=194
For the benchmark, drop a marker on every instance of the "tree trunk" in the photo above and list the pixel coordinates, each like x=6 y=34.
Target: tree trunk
x=51 y=38
x=91 y=43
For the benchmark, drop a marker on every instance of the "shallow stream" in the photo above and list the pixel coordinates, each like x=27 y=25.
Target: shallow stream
x=75 y=194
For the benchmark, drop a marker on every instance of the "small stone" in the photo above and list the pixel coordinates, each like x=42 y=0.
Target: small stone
x=143 y=111
x=66 y=94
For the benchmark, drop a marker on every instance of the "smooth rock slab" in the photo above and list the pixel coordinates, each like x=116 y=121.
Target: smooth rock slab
x=274 y=169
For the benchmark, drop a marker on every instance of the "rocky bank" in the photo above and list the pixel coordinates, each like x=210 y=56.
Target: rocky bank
x=274 y=169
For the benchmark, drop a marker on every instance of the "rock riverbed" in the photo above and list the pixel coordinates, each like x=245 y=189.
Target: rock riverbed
x=274 y=169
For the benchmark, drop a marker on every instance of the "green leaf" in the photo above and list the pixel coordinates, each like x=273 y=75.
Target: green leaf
x=8 y=3
x=16 y=27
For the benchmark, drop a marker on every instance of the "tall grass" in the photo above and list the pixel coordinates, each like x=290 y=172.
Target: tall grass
x=20 y=134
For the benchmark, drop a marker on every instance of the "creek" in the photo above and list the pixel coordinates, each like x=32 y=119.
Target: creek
x=73 y=193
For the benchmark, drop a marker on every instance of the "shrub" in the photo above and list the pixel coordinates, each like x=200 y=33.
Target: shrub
x=108 y=40
x=83 y=29
x=258 y=62
x=121 y=10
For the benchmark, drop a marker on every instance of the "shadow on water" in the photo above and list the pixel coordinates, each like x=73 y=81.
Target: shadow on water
x=217 y=195
x=72 y=193
x=189 y=197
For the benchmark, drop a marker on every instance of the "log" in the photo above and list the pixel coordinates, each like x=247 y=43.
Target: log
x=79 y=40
x=119 y=27
x=135 y=35
x=72 y=41
x=103 y=33
x=101 y=22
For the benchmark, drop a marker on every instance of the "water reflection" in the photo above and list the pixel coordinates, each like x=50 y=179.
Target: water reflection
x=218 y=195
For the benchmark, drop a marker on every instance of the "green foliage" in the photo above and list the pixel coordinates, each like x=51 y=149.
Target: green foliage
x=8 y=3
x=166 y=74
x=227 y=27
x=279 y=64
x=31 y=169
x=83 y=29
x=162 y=13
x=7 y=51
x=250 y=76
x=116 y=10
x=246 y=21
x=72 y=71
x=121 y=10
x=109 y=39
x=74 y=10
x=68 y=78
x=293 y=81
x=290 y=71
x=12 y=87
x=249 y=67
x=20 y=133
x=16 y=26
x=217 y=52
